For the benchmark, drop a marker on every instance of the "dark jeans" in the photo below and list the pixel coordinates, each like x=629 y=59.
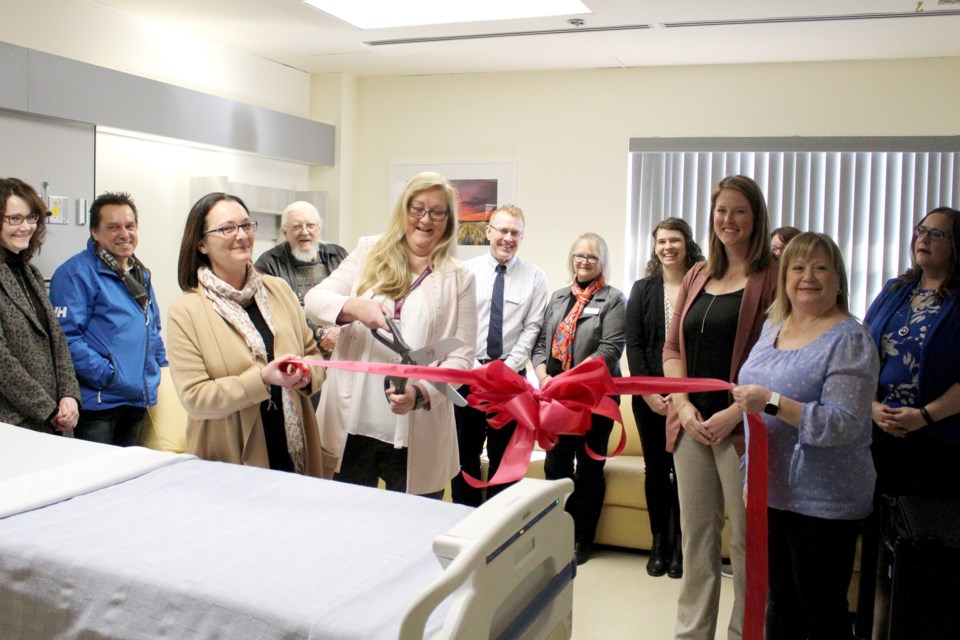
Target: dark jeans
x=589 y=483
x=472 y=432
x=367 y=460
x=660 y=487
x=119 y=425
x=811 y=563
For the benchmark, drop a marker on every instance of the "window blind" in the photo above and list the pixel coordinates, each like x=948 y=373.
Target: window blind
x=867 y=200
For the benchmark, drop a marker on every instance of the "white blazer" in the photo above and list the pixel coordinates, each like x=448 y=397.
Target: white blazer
x=433 y=457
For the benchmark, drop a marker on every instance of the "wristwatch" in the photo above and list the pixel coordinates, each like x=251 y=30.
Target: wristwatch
x=773 y=405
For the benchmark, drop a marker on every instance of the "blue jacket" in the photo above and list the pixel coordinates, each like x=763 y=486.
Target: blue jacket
x=939 y=365
x=115 y=345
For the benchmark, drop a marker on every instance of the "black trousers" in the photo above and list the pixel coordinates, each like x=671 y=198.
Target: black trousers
x=472 y=431
x=811 y=563
x=660 y=487
x=366 y=460
x=119 y=425
x=569 y=459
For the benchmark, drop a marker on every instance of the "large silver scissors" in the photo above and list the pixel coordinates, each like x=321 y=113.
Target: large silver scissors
x=423 y=357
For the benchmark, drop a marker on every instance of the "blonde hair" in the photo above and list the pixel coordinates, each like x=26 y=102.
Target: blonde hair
x=387 y=268
x=598 y=246
x=801 y=247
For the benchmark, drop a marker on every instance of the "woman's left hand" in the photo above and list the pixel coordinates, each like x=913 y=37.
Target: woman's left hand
x=329 y=338
x=899 y=421
x=722 y=423
x=67 y=416
x=751 y=398
x=401 y=403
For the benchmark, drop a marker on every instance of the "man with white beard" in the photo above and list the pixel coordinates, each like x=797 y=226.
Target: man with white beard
x=303 y=260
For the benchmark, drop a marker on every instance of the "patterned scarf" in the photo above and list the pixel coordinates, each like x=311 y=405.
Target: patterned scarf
x=562 y=348
x=229 y=304
x=134 y=278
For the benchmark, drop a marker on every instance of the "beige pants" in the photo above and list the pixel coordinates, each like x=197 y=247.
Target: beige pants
x=708 y=478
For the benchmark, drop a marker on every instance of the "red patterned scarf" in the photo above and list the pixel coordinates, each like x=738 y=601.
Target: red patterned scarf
x=562 y=348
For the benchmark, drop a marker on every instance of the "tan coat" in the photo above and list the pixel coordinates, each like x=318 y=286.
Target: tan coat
x=433 y=457
x=219 y=382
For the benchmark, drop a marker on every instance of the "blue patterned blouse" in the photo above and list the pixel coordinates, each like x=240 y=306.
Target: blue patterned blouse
x=901 y=347
x=823 y=469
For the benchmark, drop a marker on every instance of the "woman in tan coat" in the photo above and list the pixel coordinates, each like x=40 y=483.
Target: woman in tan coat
x=227 y=335
x=407 y=439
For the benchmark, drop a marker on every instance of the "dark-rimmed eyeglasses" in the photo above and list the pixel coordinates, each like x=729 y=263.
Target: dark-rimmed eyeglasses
x=418 y=212
x=933 y=234
x=230 y=230
x=506 y=231
x=18 y=219
x=586 y=257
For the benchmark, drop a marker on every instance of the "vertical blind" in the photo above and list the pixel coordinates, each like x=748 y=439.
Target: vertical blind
x=868 y=201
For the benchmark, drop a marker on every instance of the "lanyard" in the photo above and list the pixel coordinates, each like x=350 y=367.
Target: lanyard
x=398 y=305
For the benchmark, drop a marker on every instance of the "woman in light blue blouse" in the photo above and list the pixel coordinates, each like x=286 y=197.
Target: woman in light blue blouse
x=813 y=374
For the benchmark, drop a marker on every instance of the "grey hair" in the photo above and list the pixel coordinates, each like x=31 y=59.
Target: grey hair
x=300 y=205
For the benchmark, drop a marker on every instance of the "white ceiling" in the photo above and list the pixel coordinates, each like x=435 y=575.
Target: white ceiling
x=617 y=34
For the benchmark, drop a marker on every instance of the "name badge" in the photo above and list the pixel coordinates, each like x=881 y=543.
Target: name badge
x=591 y=311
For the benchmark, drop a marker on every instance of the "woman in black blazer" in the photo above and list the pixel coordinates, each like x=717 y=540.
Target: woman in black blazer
x=582 y=321
x=649 y=312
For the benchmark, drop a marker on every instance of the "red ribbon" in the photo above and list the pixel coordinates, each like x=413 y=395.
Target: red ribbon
x=564 y=406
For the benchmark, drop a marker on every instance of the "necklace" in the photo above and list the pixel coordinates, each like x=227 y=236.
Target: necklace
x=904 y=331
x=703 y=322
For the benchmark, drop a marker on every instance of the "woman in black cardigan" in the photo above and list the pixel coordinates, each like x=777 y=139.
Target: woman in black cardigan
x=649 y=311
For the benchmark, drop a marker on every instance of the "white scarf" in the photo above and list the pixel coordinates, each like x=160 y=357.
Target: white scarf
x=229 y=303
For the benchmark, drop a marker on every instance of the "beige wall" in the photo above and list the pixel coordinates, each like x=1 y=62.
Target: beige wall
x=568 y=132
x=157 y=174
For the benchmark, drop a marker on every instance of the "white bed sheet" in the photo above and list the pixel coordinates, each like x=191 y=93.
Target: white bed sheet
x=208 y=550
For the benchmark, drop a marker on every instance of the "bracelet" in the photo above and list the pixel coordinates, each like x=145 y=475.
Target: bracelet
x=420 y=400
x=926 y=416
x=318 y=336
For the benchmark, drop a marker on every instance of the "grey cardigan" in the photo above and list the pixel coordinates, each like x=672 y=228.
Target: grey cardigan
x=35 y=368
x=599 y=329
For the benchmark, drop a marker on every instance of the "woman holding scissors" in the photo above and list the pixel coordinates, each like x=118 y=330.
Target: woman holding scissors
x=408 y=274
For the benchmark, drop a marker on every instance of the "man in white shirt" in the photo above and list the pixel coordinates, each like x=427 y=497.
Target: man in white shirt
x=511 y=298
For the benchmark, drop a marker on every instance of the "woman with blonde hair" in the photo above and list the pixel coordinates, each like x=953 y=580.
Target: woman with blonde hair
x=717 y=319
x=410 y=274
x=813 y=374
x=582 y=321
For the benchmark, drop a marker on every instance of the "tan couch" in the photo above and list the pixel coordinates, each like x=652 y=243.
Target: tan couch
x=624 y=521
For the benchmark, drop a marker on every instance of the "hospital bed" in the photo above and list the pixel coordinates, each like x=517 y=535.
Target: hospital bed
x=102 y=542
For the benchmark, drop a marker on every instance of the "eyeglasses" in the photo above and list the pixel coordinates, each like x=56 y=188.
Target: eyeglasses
x=934 y=234
x=17 y=219
x=585 y=257
x=505 y=231
x=230 y=230
x=418 y=212
x=309 y=226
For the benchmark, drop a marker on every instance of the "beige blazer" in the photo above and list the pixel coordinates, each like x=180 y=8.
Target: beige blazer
x=433 y=457
x=219 y=382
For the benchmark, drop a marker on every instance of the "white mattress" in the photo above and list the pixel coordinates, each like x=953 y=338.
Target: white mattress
x=198 y=549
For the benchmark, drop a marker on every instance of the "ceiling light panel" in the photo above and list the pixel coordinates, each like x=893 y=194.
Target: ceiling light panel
x=386 y=14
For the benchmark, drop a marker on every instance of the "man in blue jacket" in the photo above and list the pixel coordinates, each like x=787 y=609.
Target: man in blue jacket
x=106 y=306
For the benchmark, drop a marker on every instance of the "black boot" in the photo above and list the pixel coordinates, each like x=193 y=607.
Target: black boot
x=659 y=552
x=675 y=568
